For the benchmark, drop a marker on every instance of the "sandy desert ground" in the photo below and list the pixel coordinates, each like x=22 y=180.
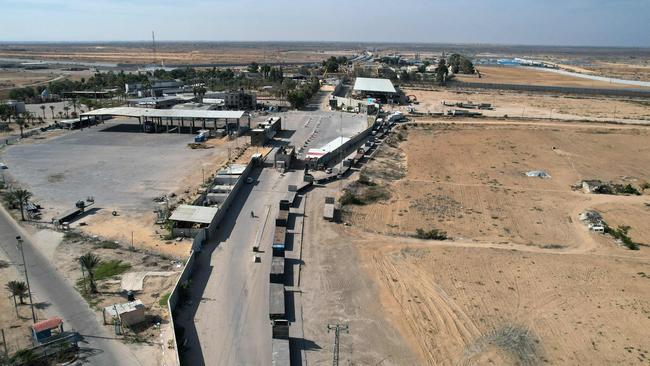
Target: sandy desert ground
x=532 y=76
x=531 y=105
x=176 y=53
x=522 y=281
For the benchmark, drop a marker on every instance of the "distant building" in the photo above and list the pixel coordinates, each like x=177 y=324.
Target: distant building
x=235 y=100
x=16 y=106
x=381 y=89
x=157 y=87
x=154 y=102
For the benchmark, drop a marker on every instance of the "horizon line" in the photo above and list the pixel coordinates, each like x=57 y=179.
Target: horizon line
x=479 y=44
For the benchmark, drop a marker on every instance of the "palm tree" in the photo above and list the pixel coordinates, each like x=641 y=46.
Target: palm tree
x=89 y=262
x=52 y=110
x=20 y=121
x=66 y=109
x=17 y=288
x=20 y=197
x=42 y=107
x=74 y=104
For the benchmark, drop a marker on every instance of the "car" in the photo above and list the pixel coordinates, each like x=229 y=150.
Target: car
x=3 y=166
x=328 y=170
x=250 y=180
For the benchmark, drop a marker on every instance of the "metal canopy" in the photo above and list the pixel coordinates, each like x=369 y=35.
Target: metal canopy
x=195 y=214
x=164 y=113
x=374 y=85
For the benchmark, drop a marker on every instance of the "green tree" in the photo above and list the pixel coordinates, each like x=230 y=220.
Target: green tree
x=441 y=71
x=18 y=198
x=466 y=66
x=297 y=98
x=42 y=107
x=20 y=121
x=19 y=289
x=66 y=109
x=89 y=262
x=52 y=110
x=253 y=67
x=331 y=64
x=266 y=69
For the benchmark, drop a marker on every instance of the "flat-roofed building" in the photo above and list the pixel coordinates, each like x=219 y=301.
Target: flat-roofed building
x=382 y=89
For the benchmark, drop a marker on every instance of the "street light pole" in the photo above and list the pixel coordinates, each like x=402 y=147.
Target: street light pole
x=29 y=289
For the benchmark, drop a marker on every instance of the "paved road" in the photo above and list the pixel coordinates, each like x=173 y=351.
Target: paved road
x=48 y=286
x=227 y=322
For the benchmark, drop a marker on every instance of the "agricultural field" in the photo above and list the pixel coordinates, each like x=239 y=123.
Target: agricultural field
x=519 y=280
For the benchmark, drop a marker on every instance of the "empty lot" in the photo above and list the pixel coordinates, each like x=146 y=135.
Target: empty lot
x=123 y=171
x=469 y=181
x=521 y=281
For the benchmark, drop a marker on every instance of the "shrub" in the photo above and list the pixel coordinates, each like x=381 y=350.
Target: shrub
x=349 y=198
x=105 y=244
x=645 y=185
x=365 y=179
x=621 y=233
x=628 y=189
x=433 y=234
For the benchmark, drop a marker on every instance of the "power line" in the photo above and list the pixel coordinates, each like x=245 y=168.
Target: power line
x=337 y=328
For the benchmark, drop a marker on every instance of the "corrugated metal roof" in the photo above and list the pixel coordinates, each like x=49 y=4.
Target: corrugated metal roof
x=164 y=113
x=119 y=309
x=374 y=85
x=51 y=323
x=196 y=214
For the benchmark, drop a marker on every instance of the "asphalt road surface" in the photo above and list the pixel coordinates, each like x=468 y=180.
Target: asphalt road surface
x=98 y=346
x=227 y=320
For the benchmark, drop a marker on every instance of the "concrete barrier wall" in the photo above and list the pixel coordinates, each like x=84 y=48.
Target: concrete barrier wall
x=201 y=236
x=174 y=298
x=223 y=209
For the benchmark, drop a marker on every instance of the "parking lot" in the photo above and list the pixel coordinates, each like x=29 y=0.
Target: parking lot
x=311 y=130
x=121 y=170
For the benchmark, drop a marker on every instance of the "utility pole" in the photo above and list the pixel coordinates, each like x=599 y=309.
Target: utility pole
x=337 y=328
x=29 y=289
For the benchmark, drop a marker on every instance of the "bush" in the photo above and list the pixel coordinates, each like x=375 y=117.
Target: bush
x=105 y=244
x=433 y=234
x=365 y=179
x=628 y=189
x=645 y=185
x=621 y=233
x=349 y=198
x=374 y=194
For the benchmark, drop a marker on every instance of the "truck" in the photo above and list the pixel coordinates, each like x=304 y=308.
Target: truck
x=279 y=240
x=329 y=209
x=276 y=301
x=282 y=219
x=281 y=352
x=277 y=270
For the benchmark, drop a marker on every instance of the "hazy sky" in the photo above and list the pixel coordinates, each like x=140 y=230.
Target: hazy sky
x=545 y=22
